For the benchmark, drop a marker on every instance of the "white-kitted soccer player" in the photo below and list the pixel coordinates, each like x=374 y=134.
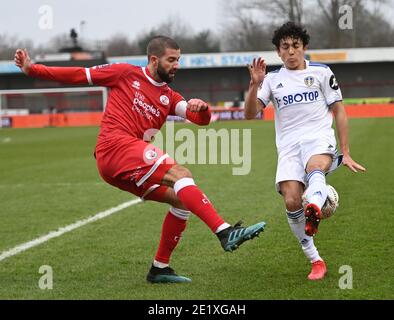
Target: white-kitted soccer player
x=306 y=97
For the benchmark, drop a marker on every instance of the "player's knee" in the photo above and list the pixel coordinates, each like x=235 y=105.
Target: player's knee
x=173 y=200
x=318 y=166
x=181 y=172
x=177 y=204
x=176 y=173
x=293 y=202
x=320 y=163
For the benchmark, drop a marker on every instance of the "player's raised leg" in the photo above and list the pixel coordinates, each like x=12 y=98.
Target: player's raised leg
x=316 y=193
x=292 y=192
x=231 y=237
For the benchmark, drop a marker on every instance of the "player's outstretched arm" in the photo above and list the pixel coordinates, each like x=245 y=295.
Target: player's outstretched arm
x=198 y=112
x=342 y=128
x=69 y=75
x=257 y=74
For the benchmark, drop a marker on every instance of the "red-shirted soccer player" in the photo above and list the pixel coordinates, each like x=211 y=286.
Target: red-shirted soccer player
x=140 y=100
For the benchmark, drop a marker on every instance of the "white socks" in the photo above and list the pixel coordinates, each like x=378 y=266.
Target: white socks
x=223 y=226
x=317 y=189
x=296 y=221
x=159 y=264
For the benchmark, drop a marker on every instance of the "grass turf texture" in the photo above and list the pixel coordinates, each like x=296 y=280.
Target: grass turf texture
x=48 y=179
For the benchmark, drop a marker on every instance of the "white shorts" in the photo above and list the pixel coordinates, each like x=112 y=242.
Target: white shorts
x=292 y=161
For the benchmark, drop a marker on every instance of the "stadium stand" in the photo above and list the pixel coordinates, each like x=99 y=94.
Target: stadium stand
x=220 y=78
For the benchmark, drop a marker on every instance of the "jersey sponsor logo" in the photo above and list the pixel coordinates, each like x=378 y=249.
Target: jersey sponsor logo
x=299 y=97
x=136 y=85
x=309 y=81
x=280 y=85
x=333 y=83
x=164 y=100
x=145 y=109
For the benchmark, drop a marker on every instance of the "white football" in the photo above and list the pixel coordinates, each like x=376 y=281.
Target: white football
x=331 y=204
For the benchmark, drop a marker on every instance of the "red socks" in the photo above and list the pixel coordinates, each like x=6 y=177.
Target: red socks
x=171 y=234
x=175 y=221
x=195 y=201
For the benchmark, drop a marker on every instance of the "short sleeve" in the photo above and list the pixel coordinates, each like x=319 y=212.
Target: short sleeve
x=264 y=91
x=178 y=105
x=330 y=87
x=107 y=75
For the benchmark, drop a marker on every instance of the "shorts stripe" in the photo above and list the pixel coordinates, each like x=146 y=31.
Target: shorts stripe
x=153 y=169
x=150 y=189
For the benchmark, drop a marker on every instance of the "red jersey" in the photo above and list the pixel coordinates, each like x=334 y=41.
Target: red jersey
x=136 y=102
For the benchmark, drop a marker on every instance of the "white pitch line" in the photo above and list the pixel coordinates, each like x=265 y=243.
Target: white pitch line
x=54 y=234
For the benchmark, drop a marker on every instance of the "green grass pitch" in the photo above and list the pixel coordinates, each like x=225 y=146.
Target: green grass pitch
x=48 y=179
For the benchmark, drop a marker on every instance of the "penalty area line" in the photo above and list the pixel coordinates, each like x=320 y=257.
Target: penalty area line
x=54 y=234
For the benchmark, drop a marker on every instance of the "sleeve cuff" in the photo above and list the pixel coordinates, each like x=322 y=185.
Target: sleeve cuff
x=180 y=109
x=264 y=103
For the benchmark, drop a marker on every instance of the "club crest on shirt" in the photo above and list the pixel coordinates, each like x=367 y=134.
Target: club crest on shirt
x=309 y=81
x=164 y=100
x=150 y=154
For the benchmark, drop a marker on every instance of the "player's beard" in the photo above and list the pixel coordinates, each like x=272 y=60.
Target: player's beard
x=165 y=76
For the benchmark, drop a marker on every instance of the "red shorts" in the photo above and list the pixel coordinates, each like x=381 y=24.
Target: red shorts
x=132 y=164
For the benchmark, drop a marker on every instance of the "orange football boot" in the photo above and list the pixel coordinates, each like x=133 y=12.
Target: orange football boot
x=319 y=270
x=313 y=216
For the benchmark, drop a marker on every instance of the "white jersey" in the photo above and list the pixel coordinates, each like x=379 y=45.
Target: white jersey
x=302 y=99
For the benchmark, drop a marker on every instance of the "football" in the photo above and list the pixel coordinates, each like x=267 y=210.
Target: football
x=331 y=204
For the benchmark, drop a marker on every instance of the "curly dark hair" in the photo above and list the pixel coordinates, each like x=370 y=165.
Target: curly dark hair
x=292 y=30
